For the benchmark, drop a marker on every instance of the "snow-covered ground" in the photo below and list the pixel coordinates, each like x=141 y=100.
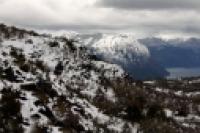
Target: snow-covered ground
x=78 y=82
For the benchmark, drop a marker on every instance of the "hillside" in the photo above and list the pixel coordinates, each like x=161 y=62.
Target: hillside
x=54 y=85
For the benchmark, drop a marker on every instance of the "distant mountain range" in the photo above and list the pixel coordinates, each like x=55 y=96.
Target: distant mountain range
x=146 y=58
x=174 y=52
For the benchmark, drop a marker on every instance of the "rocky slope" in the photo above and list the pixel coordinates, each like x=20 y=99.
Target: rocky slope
x=50 y=81
x=53 y=85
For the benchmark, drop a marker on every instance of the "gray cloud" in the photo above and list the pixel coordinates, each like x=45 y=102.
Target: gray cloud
x=85 y=16
x=151 y=4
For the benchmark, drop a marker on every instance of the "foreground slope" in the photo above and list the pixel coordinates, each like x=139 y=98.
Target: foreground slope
x=52 y=81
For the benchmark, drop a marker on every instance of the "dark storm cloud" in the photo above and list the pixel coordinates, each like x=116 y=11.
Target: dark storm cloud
x=139 y=16
x=151 y=4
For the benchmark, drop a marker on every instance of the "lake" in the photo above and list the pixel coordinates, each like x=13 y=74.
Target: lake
x=183 y=72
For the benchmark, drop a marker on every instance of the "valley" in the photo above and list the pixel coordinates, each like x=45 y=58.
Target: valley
x=55 y=85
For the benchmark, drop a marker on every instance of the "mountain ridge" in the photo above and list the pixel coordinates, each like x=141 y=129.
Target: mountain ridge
x=126 y=51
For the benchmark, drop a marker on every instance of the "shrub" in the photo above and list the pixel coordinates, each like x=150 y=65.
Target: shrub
x=155 y=111
x=183 y=111
x=21 y=35
x=32 y=33
x=29 y=41
x=17 y=54
x=39 y=129
x=71 y=123
x=10 y=116
x=134 y=113
x=70 y=44
x=94 y=57
x=29 y=87
x=106 y=106
x=53 y=44
x=25 y=67
x=59 y=68
x=9 y=103
x=40 y=65
x=8 y=74
x=46 y=87
x=162 y=83
x=196 y=99
x=157 y=126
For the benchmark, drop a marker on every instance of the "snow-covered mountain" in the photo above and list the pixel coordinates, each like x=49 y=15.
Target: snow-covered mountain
x=119 y=47
x=124 y=50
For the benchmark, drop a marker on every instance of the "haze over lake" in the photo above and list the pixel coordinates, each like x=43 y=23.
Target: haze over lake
x=183 y=72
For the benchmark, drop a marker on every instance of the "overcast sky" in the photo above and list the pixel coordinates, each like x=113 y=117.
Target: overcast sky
x=141 y=17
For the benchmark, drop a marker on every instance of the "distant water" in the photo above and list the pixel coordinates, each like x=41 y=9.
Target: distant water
x=183 y=72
